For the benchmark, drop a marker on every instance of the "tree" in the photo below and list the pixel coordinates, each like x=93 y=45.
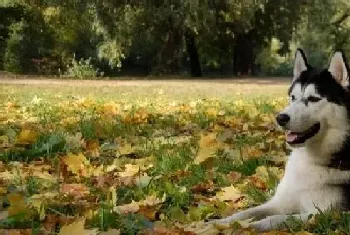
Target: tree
x=8 y=15
x=325 y=27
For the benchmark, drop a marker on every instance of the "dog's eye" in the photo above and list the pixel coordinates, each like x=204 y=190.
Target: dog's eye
x=313 y=99
x=292 y=97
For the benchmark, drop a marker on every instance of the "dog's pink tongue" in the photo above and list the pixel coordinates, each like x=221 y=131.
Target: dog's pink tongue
x=291 y=136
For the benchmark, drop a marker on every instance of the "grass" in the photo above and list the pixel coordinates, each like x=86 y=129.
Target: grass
x=140 y=155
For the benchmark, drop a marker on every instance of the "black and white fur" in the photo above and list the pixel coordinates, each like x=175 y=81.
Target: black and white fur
x=317 y=122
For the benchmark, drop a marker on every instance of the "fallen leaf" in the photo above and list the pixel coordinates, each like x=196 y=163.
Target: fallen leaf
x=208 y=146
x=76 y=227
x=132 y=207
x=75 y=190
x=130 y=170
x=233 y=176
x=77 y=164
x=149 y=212
x=17 y=204
x=110 y=109
x=110 y=232
x=26 y=136
x=202 y=228
x=229 y=193
x=143 y=181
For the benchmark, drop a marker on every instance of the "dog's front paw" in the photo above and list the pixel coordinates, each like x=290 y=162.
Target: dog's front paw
x=220 y=221
x=261 y=226
x=269 y=223
x=229 y=221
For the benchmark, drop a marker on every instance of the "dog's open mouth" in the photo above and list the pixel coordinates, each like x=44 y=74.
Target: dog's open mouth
x=301 y=137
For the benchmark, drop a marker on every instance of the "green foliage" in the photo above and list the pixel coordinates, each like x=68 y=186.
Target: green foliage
x=166 y=37
x=14 y=49
x=7 y=16
x=29 y=41
x=274 y=64
x=82 y=68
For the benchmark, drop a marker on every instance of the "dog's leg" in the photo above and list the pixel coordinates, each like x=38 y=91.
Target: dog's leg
x=255 y=212
x=276 y=221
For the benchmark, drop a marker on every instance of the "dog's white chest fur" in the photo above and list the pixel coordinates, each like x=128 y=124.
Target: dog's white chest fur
x=307 y=185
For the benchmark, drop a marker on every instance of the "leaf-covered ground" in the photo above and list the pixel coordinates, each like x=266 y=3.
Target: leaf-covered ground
x=158 y=158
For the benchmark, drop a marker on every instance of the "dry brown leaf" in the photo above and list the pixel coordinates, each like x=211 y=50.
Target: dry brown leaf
x=149 y=212
x=166 y=231
x=202 y=228
x=203 y=187
x=75 y=190
x=233 y=176
x=17 y=204
x=110 y=232
x=16 y=231
x=132 y=207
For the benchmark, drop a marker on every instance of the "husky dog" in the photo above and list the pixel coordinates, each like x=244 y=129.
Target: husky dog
x=317 y=125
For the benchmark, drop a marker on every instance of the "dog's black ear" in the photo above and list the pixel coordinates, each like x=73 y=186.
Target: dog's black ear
x=300 y=63
x=339 y=68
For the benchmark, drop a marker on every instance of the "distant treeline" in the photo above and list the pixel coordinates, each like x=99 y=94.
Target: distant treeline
x=183 y=37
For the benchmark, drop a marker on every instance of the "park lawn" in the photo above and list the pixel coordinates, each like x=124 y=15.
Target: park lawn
x=150 y=157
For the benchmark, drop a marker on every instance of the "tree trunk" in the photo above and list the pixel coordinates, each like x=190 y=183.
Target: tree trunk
x=169 y=55
x=192 y=51
x=243 y=55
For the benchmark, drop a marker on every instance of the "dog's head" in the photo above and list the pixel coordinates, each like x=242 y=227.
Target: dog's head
x=318 y=102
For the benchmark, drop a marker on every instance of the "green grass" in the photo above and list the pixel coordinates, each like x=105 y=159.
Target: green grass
x=163 y=123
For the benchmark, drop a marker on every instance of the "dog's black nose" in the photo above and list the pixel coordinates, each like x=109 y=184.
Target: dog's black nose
x=282 y=119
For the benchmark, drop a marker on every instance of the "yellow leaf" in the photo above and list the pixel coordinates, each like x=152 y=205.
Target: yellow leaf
x=17 y=204
x=203 y=228
x=245 y=127
x=208 y=146
x=134 y=207
x=212 y=111
x=77 y=164
x=126 y=149
x=2 y=190
x=76 y=227
x=26 y=137
x=112 y=196
x=152 y=200
x=110 y=109
x=130 y=170
x=44 y=175
x=6 y=175
x=229 y=193
x=4 y=141
x=251 y=152
x=39 y=207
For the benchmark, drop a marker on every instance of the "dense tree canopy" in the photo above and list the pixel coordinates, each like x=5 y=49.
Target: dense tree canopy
x=198 y=37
